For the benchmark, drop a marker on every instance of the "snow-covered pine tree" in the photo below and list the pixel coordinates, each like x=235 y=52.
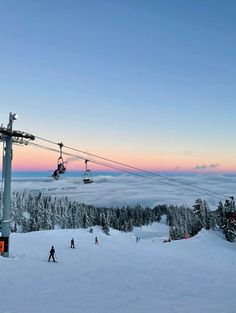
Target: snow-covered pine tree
x=220 y=215
x=175 y=233
x=85 y=221
x=104 y=224
x=230 y=226
x=202 y=212
x=226 y=217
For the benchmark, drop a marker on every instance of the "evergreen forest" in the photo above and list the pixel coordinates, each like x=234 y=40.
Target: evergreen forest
x=32 y=211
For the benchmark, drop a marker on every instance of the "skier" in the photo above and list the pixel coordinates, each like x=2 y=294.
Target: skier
x=51 y=254
x=96 y=240
x=72 y=243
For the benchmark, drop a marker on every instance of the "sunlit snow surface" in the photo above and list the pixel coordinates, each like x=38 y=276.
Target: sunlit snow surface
x=126 y=189
x=118 y=275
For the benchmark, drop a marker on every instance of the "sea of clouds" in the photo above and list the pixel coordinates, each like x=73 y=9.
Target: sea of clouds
x=129 y=189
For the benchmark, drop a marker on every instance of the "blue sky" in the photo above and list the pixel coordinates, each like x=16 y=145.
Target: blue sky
x=147 y=82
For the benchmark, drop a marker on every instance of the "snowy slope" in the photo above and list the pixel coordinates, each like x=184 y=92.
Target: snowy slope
x=119 y=275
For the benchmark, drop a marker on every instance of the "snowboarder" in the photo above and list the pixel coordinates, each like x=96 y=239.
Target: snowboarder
x=72 y=243
x=96 y=240
x=51 y=254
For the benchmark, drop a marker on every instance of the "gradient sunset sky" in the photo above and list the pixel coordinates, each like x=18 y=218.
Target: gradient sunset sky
x=148 y=83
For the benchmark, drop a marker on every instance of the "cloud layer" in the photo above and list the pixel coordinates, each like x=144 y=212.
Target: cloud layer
x=125 y=189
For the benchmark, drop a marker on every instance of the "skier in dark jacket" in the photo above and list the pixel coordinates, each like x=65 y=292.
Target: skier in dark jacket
x=51 y=254
x=96 y=240
x=72 y=243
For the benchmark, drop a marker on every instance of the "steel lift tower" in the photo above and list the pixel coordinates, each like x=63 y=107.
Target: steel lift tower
x=9 y=136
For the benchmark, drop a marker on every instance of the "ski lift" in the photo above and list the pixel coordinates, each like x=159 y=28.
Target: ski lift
x=60 y=164
x=87 y=179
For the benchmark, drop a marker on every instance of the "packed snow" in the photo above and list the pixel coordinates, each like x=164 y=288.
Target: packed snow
x=119 y=275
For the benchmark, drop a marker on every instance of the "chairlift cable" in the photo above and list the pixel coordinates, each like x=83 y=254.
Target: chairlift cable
x=118 y=168
x=149 y=173
x=140 y=170
x=128 y=171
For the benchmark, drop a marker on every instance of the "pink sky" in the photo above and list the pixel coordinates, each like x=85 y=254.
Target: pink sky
x=33 y=159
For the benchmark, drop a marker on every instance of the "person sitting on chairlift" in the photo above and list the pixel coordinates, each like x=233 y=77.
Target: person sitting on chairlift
x=56 y=174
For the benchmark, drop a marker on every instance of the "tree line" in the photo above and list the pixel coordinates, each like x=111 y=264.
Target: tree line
x=33 y=211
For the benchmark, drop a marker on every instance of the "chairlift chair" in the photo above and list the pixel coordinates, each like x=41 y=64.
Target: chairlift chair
x=60 y=164
x=87 y=178
x=56 y=174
